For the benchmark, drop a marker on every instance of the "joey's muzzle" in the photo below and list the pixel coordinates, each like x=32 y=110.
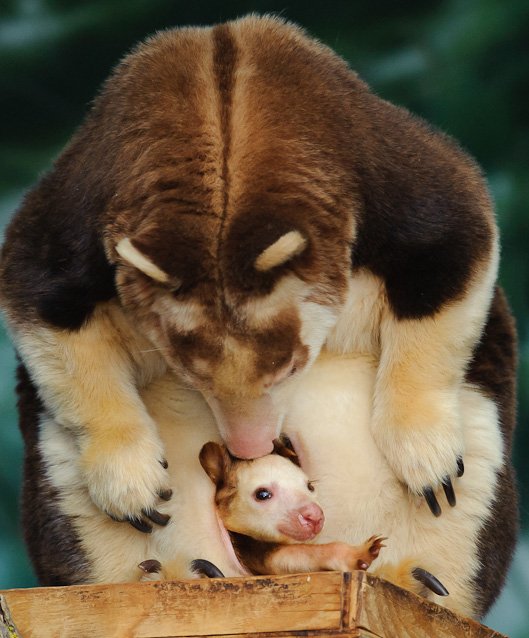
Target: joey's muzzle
x=247 y=426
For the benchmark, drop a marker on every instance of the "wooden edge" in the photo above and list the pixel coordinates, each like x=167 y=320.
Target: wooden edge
x=325 y=604
x=200 y=607
x=7 y=626
x=385 y=611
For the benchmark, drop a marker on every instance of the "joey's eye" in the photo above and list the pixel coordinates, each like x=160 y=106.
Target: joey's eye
x=310 y=486
x=262 y=494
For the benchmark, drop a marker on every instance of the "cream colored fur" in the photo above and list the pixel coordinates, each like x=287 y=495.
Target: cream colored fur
x=287 y=246
x=417 y=421
x=136 y=258
x=361 y=495
x=88 y=380
x=357 y=489
x=183 y=316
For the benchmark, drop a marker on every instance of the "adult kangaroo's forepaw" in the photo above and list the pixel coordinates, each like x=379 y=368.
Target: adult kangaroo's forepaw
x=426 y=457
x=448 y=489
x=129 y=482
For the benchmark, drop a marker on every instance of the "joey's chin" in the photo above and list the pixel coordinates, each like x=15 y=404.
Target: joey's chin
x=302 y=536
x=299 y=534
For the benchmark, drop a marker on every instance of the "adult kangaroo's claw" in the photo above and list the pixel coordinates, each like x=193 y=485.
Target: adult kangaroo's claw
x=151 y=566
x=203 y=567
x=157 y=517
x=430 y=581
x=449 y=491
x=140 y=524
x=431 y=499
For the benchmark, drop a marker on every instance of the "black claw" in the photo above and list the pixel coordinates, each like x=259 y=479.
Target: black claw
x=156 y=517
x=151 y=566
x=140 y=524
x=449 y=491
x=430 y=581
x=430 y=498
x=460 y=467
x=165 y=494
x=203 y=567
x=164 y=464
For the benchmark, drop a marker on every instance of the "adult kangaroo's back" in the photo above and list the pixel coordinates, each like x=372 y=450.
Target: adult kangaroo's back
x=237 y=202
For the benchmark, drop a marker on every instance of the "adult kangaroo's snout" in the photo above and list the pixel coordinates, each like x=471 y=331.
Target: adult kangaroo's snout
x=247 y=426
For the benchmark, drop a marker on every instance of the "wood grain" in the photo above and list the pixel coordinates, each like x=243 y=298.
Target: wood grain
x=180 y=608
x=385 y=611
x=328 y=604
x=7 y=626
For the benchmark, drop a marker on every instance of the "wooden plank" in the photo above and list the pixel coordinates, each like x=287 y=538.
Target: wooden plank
x=328 y=605
x=7 y=626
x=385 y=611
x=182 y=608
x=353 y=633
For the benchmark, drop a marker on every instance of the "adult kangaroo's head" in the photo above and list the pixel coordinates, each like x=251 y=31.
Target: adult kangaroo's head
x=232 y=221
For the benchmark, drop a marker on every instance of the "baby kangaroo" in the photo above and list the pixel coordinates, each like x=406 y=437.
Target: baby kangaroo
x=269 y=507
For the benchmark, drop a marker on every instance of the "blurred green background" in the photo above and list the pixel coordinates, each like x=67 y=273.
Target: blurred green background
x=461 y=64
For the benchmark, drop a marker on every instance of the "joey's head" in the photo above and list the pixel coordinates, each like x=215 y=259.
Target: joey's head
x=270 y=498
x=240 y=328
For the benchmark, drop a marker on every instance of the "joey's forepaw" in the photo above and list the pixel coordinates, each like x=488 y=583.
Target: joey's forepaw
x=369 y=551
x=128 y=482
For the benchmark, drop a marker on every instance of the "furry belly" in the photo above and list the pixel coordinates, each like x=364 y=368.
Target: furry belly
x=360 y=496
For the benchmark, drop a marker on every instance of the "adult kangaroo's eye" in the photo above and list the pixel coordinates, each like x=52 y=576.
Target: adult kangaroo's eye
x=262 y=494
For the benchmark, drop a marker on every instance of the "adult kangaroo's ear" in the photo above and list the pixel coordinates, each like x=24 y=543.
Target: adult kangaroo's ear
x=283 y=447
x=135 y=257
x=216 y=462
x=282 y=250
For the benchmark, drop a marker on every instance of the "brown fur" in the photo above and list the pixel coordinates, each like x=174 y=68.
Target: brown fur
x=54 y=548
x=204 y=147
x=234 y=196
x=492 y=369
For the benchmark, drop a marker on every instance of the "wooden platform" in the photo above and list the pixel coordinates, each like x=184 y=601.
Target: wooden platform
x=328 y=604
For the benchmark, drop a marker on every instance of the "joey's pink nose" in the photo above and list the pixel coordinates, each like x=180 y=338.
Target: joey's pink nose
x=311 y=516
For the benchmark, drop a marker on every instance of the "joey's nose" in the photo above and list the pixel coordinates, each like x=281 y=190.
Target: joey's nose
x=311 y=516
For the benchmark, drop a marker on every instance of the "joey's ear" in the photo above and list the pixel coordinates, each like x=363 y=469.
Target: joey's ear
x=127 y=251
x=216 y=461
x=286 y=247
x=283 y=447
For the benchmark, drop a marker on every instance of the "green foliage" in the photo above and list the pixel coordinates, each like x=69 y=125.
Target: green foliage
x=462 y=64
